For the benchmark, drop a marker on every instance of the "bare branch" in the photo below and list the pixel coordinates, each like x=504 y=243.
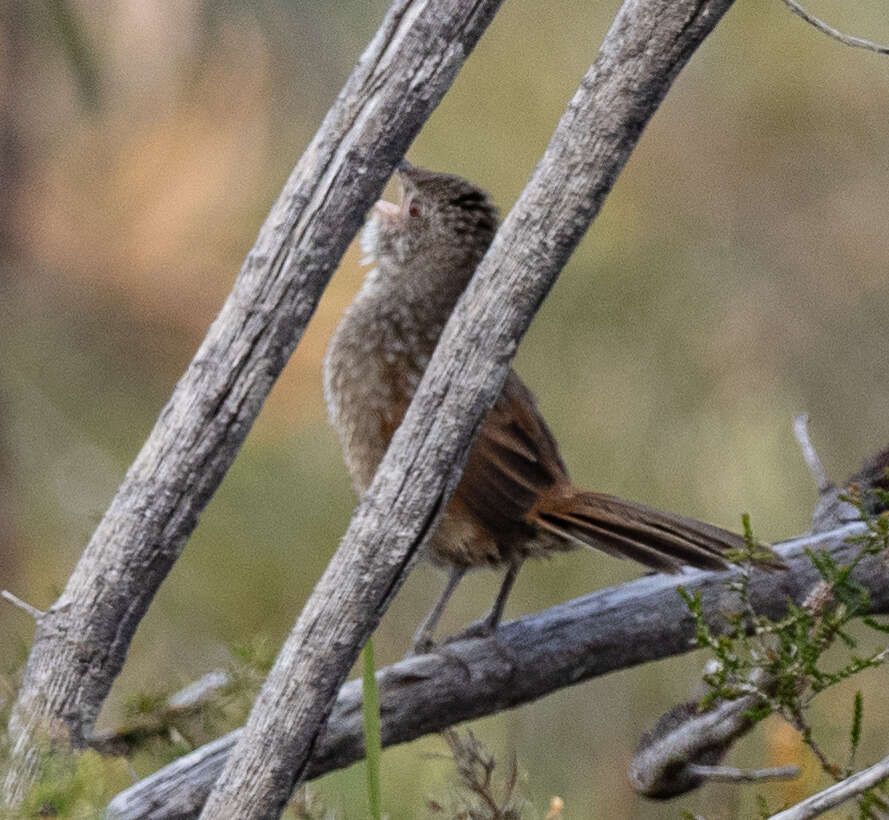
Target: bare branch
x=729 y=774
x=199 y=692
x=832 y=509
x=810 y=454
x=647 y=45
x=80 y=644
x=837 y=793
x=669 y=759
x=35 y=613
x=666 y=762
x=190 y=700
x=830 y=31
x=528 y=658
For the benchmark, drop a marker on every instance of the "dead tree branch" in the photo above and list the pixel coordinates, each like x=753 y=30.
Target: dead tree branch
x=830 y=31
x=831 y=510
x=665 y=764
x=533 y=656
x=81 y=642
x=668 y=760
x=647 y=45
x=837 y=793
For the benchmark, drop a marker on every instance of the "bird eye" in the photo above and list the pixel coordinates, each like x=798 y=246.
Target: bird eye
x=414 y=208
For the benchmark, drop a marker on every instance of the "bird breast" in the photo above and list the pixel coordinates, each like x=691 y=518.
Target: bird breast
x=374 y=362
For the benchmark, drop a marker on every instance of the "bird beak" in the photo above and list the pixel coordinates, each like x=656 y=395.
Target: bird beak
x=387 y=210
x=391 y=210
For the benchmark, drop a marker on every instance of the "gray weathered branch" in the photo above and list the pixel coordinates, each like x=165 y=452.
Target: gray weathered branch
x=81 y=642
x=528 y=658
x=664 y=765
x=647 y=45
x=838 y=793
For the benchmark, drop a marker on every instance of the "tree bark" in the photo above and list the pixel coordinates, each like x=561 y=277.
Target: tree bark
x=838 y=793
x=647 y=45
x=533 y=656
x=81 y=642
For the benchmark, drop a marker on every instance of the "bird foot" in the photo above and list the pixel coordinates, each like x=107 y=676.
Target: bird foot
x=478 y=629
x=486 y=629
x=424 y=643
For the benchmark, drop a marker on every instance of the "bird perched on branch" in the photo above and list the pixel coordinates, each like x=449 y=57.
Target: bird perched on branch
x=515 y=499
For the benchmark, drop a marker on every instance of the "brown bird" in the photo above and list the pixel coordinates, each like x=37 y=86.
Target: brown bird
x=515 y=499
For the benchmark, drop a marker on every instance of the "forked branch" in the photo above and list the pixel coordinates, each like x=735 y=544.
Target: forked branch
x=82 y=640
x=645 y=48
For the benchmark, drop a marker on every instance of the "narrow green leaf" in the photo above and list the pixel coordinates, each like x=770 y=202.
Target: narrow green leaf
x=873 y=623
x=855 y=734
x=373 y=744
x=78 y=50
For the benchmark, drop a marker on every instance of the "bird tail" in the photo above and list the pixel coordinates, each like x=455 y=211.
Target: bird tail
x=662 y=541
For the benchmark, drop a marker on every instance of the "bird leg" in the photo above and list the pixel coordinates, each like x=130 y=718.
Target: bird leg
x=423 y=637
x=490 y=623
x=487 y=626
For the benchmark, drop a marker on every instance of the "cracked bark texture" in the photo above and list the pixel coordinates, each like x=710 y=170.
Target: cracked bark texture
x=647 y=45
x=533 y=656
x=81 y=642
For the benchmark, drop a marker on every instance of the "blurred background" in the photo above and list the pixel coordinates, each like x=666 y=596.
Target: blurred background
x=736 y=276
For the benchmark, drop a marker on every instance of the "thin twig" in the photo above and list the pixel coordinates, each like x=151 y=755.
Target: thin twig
x=199 y=692
x=830 y=31
x=798 y=720
x=35 y=613
x=810 y=454
x=122 y=740
x=730 y=774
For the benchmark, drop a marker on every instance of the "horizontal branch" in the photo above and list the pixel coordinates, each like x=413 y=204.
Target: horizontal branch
x=528 y=658
x=81 y=642
x=731 y=774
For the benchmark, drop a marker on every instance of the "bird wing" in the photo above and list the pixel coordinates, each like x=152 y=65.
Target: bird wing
x=513 y=461
x=516 y=485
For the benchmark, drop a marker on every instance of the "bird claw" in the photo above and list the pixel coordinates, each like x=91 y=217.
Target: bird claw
x=423 y=644
x=478 y=629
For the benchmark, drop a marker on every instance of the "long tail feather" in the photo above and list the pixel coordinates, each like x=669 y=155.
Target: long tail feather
x=657 y=539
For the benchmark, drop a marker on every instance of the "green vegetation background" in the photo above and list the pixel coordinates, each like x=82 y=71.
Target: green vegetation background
x=736 y=276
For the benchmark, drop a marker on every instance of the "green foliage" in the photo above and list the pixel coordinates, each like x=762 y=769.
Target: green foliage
x=763 y=807
x=373 y=744
x=256 y=656
x=75 y=786
x=783 y=661
x=154 y=729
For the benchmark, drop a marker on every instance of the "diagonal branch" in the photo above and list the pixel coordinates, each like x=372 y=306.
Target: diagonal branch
x=81 y=642
x=838 y=793
x=602 y=632
x=830 y=31
x=647 y=45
